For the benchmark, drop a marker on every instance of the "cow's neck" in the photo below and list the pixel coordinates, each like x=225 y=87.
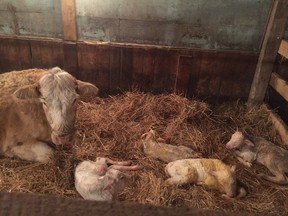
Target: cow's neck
x=33 y=117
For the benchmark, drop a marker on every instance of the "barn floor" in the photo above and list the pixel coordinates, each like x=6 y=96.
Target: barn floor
x=113 y=126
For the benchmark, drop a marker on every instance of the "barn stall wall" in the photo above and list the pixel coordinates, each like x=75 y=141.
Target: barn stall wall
x=193 y=47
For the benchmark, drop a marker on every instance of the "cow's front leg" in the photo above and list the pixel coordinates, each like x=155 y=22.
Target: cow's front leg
x=33 y=151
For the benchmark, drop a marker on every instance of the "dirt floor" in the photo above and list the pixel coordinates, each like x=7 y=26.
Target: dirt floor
x=113 y=126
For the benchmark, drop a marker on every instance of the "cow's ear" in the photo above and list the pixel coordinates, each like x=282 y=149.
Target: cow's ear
x=28 y=92
x=85 y=88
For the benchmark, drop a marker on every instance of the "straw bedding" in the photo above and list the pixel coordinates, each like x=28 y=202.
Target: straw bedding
x=113 y=126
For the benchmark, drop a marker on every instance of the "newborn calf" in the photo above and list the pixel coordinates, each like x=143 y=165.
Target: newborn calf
x=211 y=173
x=163 y=151
x=249 y=149
x=98 y=181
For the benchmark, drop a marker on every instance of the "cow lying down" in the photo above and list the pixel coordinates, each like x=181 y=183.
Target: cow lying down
x=163 y=151
x=211 y=173
x=249 y=149
x=101 y=182
x=38 y=107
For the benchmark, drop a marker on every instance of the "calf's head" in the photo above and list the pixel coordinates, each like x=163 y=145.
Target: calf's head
x=116 y=180
x=236 y=140
x=58 y=92
x=226 y=181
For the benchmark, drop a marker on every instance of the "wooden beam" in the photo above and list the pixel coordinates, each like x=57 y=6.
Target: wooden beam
x=280 y=126
x=69 y=20
x=26 y=204
x=280 y=85
x=270 y=46
x=283 y=49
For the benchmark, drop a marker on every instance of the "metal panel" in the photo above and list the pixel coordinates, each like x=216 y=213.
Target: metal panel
x=218 y=24
x=31 y=18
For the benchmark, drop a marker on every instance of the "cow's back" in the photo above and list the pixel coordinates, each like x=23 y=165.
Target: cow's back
x=11 y=81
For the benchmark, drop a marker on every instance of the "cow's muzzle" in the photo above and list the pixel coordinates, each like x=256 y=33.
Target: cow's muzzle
x=67 y=140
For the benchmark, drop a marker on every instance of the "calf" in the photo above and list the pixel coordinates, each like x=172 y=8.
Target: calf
x=38 y=107
x=163 y=151
x=211 y=173
x=98 y=181
x=249 y=149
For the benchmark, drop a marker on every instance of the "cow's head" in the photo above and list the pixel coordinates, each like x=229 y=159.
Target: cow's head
x=58 y=92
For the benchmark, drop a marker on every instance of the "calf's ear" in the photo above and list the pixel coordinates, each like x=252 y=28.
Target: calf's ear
x=85 y=88
x=249 y=143
x=28 y=92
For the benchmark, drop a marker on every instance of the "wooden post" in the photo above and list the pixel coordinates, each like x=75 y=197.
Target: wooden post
x=272 y=38
x=69 y=20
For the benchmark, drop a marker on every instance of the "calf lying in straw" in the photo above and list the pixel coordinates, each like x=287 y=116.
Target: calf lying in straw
x=249 y=149
x=98 y=181
x=163 y=151
x=211 y=173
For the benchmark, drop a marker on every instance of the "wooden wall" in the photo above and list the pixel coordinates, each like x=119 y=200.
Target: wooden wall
x=118 y=67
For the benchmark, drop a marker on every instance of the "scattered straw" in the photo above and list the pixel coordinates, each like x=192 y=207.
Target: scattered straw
x=113 y=126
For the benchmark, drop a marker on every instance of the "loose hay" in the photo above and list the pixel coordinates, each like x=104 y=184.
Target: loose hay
x=113 y=126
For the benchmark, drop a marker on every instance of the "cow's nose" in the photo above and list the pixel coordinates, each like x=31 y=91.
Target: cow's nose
x=64 y=139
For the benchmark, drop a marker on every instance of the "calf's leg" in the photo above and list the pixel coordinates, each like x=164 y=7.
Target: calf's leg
x=124 y=163
x=244 y=162
x=279 y=178
x=125 y=168
x=33 y=151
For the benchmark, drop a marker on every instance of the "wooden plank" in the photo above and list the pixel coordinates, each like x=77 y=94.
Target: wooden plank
x=14 y=54
x=166 y=63
x=274 y=32
x=278 y=103
x=137 y=69
x=126 y=69
x=184 y=68
x=115 y=68
x=86 y=62
x=102 y=55
x=46 y=54
x=279 y=125
x=148 y=68
x=27 y=204
x=143 y=68
x=70 y=63
x=69 y=20
x=94 y=65
x=218 y=74
x=283 y=49
x=212 y=73
x=279 y=85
